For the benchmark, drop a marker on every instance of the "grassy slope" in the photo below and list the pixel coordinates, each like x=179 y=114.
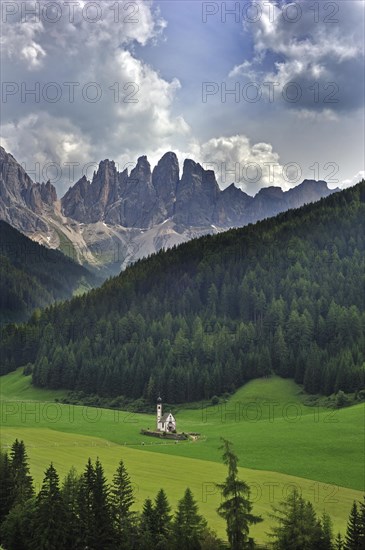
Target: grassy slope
x=150 y=471
x=290 y=438
x=316 y=449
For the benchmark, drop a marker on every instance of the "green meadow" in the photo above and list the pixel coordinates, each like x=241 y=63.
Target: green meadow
x=280 y=441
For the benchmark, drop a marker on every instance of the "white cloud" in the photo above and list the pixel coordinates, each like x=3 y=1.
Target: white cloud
x=354 y=180
x=37 y=52
x=324 y=58
x=244 y=69
x=71 y=63
x=317 y=116
x=235 y=160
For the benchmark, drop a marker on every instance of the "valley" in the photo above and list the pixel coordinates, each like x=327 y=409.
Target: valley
x=182 y=275
x=290 y=444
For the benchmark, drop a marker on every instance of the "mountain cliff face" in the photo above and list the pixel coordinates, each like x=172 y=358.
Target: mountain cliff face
x=118 y=217
x=22 y=202
x=165 y=178
x=145 y=199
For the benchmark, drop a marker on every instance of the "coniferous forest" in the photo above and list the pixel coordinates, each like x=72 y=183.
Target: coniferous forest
x=34 y=276
x=285 y=295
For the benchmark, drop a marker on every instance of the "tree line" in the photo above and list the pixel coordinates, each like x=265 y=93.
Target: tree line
x=87 y=512
x=285 y=295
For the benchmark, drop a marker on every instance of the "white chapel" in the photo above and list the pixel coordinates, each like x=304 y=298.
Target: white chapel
x=166 y=422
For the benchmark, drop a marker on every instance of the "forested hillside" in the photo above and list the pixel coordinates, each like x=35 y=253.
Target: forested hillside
x=284 y=295
x=33 y=276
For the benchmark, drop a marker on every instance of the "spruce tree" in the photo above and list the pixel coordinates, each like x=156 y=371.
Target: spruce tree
x=327 y=532
x=339 y=543
x=6 y=485
x=101 y=510
x=188 y=524
x=121 y=498
x=236 y=508
x=69 y=492
x=95 y=518
x=50 y=515
x=17 y=528
x=353 y=533
x=22 y=480
x=362 y=522
x=86 y=507
x=162 y=515
x=297 y=525
x=147 y=528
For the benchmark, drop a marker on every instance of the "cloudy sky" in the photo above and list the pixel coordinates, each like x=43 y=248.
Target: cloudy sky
x=265 y=92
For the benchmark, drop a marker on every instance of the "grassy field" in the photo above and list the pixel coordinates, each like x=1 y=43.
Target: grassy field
x=281 y=443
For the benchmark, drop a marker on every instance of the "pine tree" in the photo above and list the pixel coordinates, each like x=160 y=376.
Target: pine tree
x=362 y=522
x=162 y=519
x=339 y=543
x=69 y=492
x=6 y=485
x=22 y=480
x=236 y=507
x=353 y=533
x=297 y=525
x=327 y=532
x=86 y=507
x=101 y=509
x=188 y=525
x=121 y=498
x=95 y=518
x=17 y=528
x=147 y=529
x=50 y=515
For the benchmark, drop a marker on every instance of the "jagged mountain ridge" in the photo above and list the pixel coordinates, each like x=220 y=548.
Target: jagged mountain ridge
x=147 y=198
x=23 y=202
x=118 y=217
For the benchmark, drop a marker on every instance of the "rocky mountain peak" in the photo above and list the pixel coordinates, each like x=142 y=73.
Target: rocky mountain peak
x=191 y=167
x=314 y=183
x=271 y=191
x=73 y=202
x=136 y=206
x=196 y=195
x=22 y=201
x=165 y=179
x=142 y=172
x=48 y=193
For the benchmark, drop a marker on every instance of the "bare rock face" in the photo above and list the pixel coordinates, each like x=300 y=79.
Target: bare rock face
x=269 y=201
x=165 y=180
x=73 y=202
x=88 y=202
x=139 y=201
x=144 y=199
x=308 y=191
x=114 y=197
x=48 y=193
x=196 y=197
x=22 y=202
x=119 y=217
x=232 y=207
x=102 y=192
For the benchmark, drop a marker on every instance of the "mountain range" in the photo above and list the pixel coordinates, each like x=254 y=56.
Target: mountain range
x=284 y=295
x=119 y=217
